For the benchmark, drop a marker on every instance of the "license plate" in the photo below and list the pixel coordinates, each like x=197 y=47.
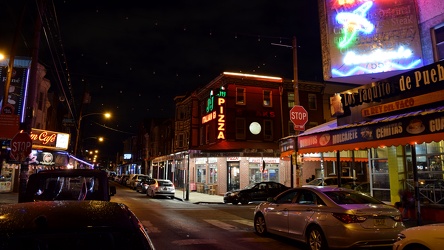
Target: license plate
x=379 y=222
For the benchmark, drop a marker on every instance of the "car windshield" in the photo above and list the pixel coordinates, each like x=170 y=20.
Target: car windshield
x=66 y=188
x=346 y=197
x=315 y=182
x=250 y=186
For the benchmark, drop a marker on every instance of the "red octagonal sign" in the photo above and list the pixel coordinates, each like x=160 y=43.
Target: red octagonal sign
x=21 y=146
x=299 y=117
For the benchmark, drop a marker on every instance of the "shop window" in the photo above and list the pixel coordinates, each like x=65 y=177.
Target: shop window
x=312 y=102
x=430 y=169
x=379 y=173
x=438 y=41
x=201 y=173
x=240 y=129
x=270 y=173
x=213 y=174
x=255 y=173
x=268 y=130
x=240 y=96
x=331 y=168
x=267 y=98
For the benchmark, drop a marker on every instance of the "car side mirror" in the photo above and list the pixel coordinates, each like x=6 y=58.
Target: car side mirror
x=112 y=190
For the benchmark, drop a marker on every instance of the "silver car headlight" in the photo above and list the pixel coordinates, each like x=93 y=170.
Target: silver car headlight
x=233 y=194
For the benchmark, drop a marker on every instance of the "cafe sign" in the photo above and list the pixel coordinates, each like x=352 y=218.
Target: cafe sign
x=49 y=139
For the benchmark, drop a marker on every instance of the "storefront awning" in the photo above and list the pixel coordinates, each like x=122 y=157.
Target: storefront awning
x=409 y=128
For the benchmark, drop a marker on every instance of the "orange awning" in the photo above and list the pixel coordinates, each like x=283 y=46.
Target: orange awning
x=410 y=128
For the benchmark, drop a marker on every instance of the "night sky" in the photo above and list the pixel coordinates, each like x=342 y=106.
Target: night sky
x=134 y=56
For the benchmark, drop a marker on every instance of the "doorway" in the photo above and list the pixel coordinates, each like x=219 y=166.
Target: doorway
x=233 y=176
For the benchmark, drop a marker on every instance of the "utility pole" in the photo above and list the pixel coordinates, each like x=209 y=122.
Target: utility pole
x=32 y=89
x=296 y=102
x=294 y=157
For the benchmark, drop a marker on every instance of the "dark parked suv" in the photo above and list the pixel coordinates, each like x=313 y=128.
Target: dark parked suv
x=254 y=192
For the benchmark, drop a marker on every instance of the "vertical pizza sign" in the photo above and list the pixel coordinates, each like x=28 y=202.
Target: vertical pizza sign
x=372 y=36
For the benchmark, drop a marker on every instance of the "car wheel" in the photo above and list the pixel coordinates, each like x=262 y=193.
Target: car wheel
x=244 y=200
x=235 y=202
x=259 y=225
x=416 y=247
x=316 y=239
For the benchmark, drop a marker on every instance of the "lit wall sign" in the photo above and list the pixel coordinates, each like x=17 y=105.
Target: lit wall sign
x=17 y=88
x=415 y=88
x=219 y=113
x=49 y=139
x=367 y=37
x=221 y=119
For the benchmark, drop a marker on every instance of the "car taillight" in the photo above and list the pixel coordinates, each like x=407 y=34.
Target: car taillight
x=349 y=218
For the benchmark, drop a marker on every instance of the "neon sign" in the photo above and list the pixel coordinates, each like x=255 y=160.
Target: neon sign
x=221 y=119
x=370 y=37
x=353 y=22
x=212 y=114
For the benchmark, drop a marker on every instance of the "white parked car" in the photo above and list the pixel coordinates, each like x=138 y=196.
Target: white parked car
x=427 y=237
x=161 y=187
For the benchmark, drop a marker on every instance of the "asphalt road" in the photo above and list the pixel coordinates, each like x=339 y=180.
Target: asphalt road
x=176 y=224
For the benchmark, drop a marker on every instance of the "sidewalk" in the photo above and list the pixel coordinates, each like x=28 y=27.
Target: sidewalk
x=193 y=197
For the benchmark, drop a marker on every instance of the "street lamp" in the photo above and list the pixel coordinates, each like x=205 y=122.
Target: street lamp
x=106 y=115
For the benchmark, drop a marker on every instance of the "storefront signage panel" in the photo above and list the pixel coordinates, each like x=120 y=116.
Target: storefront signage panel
x=367 y=37
x=17 y=88
x=392 y=128
x=414 y=88
x=49 y=139
x=46 y=158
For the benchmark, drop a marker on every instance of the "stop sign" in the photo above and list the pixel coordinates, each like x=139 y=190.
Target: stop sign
x=299 y=117
x=21 y=146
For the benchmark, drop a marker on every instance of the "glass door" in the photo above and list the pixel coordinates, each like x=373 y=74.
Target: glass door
x=233 y=176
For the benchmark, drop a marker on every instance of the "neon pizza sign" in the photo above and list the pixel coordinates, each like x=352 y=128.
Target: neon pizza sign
x=218 y=113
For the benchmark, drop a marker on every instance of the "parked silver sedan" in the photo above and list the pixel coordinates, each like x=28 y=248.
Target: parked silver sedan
x=329 y=217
